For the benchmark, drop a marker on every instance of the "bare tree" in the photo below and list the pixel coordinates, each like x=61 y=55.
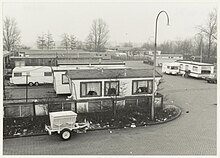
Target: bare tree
x=210 y=31
x=50 y=44
x=65 y=43
x=167 y=47
x=69 y=42
x=184 y=47
x=41 y=42
x=72 y=42
x=98 y=36
x=11 y=34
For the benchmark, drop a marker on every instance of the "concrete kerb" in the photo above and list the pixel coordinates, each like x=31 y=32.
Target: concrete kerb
x=108 y=128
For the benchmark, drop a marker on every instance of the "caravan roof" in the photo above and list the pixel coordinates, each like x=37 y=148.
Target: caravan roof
x=111 y=73
x=195 y=63
x=30 y=68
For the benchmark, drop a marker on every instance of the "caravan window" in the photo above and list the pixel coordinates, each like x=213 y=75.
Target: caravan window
x=65 y=79
x=174 y=67
x=205 y=72
x=17 y=74
x=111 y=88
x=90 y=89
x=142 y=86
x=47 y=73
x=195 y=68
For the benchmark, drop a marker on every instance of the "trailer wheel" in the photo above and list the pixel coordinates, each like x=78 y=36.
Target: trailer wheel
x=31 y=84
x=36 y=84
x=65 y=134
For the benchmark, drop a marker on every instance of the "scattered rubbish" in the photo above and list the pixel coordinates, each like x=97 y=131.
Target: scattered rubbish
x=17 y=134
x=131 y=152
x=133 y=119
x=110 y=131
x=125 y=127
x=24 y=131
x=133 y=125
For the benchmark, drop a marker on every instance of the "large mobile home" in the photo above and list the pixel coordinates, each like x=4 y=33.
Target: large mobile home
x=32 y=75
x=196 y=69
x=88 y=87
x=60 y=81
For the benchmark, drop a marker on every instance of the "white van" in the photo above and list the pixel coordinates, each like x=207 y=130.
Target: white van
x=31 y=75
x=171 y=68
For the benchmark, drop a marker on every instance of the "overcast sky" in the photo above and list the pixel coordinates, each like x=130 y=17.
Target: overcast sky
x=127 y=21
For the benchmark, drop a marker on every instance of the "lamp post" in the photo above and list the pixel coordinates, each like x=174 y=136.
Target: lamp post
x=154 y=66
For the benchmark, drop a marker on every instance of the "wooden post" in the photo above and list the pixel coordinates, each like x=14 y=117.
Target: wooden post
x=26 y=88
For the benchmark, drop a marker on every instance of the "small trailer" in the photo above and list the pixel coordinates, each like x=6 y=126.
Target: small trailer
x=171 y=68
x=64 y=122
x=31 y=75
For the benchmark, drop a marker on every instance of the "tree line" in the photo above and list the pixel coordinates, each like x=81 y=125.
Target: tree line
x=96 y=40
x=205 y=40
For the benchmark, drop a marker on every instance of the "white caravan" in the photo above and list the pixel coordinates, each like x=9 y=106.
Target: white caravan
x=32 y=75
x=171 y=68
x=196 y=69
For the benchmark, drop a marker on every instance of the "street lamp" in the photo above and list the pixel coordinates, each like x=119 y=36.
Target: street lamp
x=154 y=66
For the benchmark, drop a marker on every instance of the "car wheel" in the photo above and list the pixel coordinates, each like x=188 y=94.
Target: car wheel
x=36 y=84
x=31 y=84
x=65 y=134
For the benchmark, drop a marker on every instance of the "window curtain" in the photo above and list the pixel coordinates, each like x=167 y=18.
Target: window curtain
x=142 y=84
x=94 y=87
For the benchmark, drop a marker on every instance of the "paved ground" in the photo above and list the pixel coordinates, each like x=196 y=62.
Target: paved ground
x=193 y=133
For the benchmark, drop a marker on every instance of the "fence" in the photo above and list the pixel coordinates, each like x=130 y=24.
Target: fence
x=32 y=116
x=26 y=109
x=30 y=109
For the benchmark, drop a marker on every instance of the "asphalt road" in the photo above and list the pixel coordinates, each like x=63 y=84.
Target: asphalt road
x=193 y=133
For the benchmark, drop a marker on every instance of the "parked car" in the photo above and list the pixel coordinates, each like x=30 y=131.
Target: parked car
x=212 y=79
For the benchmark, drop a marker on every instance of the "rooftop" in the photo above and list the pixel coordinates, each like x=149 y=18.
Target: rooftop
x=110 y=73
x=196 y=63
x=90 y=62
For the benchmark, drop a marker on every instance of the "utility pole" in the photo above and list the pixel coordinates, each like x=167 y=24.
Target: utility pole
x=27 y=75
x=201 y=49
x=26 y=88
